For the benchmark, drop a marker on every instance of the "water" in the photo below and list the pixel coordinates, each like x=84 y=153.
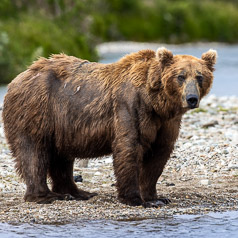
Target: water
x=3 y=90
x=213 y=225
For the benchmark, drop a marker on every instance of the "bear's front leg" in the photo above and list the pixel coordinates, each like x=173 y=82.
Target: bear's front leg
x=127 y=175
x=126 y=172
x=150 y=170
x=154 y=161
x=127 y=153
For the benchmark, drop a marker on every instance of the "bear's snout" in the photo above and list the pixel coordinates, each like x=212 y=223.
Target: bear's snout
x=192 y=100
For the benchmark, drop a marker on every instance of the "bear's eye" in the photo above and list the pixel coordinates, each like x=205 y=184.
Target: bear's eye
x=199 y=78
x=181 y=78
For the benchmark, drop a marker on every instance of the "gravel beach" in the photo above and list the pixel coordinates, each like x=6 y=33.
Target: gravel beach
x=201 y=175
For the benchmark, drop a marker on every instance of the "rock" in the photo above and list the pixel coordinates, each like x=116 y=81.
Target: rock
x=78 y=178
x=97 y=173
x=232 y=166
x=210 y=124
x=170 y=184
x=2 y=132
x=232 y=135
x=83 y=163
x=188 y=145
x=205 y=182
x=225 y=152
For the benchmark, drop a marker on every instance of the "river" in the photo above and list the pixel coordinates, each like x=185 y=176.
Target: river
x=184 y=226
x=208 y=225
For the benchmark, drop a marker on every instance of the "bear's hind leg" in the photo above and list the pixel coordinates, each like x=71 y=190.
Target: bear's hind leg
x=32 y=165
x=61 y=173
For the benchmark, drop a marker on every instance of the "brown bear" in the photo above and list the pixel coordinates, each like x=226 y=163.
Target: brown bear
x=64 y=108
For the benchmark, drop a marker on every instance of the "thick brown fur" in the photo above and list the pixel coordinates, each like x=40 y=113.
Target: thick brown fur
x=64 y=108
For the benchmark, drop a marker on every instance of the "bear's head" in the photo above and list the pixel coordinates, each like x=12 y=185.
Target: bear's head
x=183 y=78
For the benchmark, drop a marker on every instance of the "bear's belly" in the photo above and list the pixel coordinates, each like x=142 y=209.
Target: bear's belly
x=90 y=150
x=86 y=143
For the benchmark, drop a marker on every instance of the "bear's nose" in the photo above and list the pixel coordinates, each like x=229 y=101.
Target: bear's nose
x=192 y=100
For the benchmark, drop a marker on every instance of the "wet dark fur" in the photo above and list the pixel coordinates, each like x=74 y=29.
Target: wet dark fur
x=64 y=108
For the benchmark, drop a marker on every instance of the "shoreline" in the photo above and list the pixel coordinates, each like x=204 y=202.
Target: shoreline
x=109 y=50
x=200 y=177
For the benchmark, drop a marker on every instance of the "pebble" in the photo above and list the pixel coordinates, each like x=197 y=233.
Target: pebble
x=232 y=166
x=213 y=141
x=205 y=182
x=210 y=124
x=97 y=174
x=78 y=178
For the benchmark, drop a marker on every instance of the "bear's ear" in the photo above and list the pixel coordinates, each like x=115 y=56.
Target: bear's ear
x=210 y=58
x=164 y=56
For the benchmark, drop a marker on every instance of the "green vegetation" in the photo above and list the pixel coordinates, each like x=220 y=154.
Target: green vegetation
x=222 y=109
x=174 y=21
x=197 y=110
x=29 y=29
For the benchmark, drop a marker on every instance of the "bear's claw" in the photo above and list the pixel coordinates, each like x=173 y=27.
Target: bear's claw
x=156 y=203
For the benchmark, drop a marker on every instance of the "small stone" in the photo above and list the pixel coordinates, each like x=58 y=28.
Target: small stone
x=205 y=182
x=97 y=174
x=78 y=178
x=170 y=184
x=210 y=124
x=188 y=145
x=225 y=152
x=232 y=166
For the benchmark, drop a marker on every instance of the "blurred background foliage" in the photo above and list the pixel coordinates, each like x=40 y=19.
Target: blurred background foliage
x=29 y=29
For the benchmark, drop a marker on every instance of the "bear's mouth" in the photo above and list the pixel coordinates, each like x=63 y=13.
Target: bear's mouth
x=188 y=107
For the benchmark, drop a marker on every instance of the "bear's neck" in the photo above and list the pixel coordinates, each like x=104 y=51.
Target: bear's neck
x=164 y=107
